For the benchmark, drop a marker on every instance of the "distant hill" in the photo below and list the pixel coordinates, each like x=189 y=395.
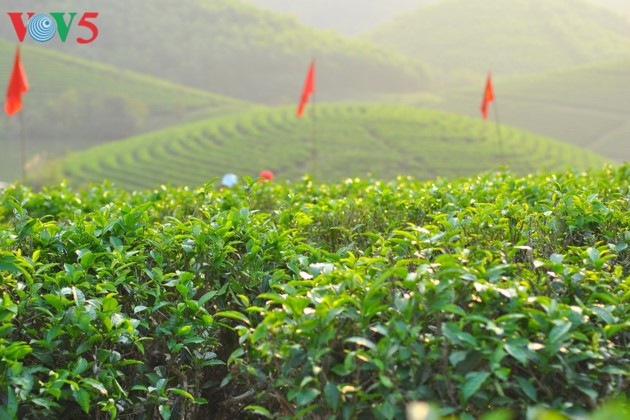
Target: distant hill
x=353 y=140
x=620 y=6
x=465 y=38
x=347 y=16
x=236 y=49
x=75 y=103
x=588 y=106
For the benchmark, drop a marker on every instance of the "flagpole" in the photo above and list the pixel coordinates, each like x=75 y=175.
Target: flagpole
x=308 y=91
x=315 y=154
x=314 y=134
x=18 y=84
x=489 y=97
x=498 y=124
x=23 y=146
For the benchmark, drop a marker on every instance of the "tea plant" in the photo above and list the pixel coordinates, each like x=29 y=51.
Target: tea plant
x=307 y=301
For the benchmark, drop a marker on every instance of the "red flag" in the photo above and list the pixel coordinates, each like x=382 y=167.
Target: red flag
x=488 y=97
x=18 y=84
x=309 y=88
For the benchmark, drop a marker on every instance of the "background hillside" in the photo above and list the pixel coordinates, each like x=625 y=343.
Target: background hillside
x=349 y=17
x=587 y=106
x=235 y=49
x=75 y=103
x=619 y=6
x=465 y=38
x=192 y=59
x=353 y=141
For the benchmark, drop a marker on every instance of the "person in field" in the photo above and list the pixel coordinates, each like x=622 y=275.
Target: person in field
x=229 y=180
x=266 y=175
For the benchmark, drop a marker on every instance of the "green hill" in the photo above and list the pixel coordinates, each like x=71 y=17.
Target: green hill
x=353 y=140
x=347 y=16
x=465 y=38
x=75 y=103
x=587 y=106
x=238 y=50
x=620 y=6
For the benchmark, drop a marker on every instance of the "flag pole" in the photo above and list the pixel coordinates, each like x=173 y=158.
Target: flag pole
x=308 y=91
x=18 y=84
x=314 y=134
x=490 y=97
x=498 y=124
x=23 y=146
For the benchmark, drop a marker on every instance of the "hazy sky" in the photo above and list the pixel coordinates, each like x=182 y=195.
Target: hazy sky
x=355 y=16
x=346 y=16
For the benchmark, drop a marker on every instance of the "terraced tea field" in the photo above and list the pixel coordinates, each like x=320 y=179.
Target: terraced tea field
x=353 y=140
x=73 y=103
x=595 y=116
x=50 y=73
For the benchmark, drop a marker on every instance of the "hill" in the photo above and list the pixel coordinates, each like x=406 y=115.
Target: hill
x=587 y=106
x=75 y=103
x=353 y=140
x=620 y=6
x=238 y=50
x=349 y=16
x=464 y=38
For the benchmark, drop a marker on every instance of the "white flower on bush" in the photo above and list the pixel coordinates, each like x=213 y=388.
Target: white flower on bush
x=321 y=268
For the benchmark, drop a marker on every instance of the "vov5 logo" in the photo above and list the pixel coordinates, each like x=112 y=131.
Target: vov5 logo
x=42 y=27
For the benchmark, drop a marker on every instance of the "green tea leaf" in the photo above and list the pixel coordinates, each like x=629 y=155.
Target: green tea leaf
x=592 y=394
x=80 y=366
x=387 y=383
x=362 y=342
x=232 y=315
x=332 y=396
x=457 y=336
x=258 y=410
x=472 y=384
x=57 y=302
x=95 y=384
x=182 y=393
x=559 y=332
x=206 y=297
x=16 y=351
x=527 y=387
x=306 y=395
x=11 y=403
x=516 y=351
x=165 y=412
x=453 y=309
x=82 y=397
x=603 y=314
x=457 y=356
x=110 y=304
x=593 y=254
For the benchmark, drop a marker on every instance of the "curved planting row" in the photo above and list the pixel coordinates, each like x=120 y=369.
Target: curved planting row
x=352 y=140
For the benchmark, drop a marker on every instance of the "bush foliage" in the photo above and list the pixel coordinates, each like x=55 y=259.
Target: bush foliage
x=309 y=301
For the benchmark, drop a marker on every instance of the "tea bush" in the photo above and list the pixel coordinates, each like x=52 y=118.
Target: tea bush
x=344 y=300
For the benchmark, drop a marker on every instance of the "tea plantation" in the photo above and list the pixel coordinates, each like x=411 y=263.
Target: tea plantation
x=345 y=300
x=352 y=140
x=594 y=117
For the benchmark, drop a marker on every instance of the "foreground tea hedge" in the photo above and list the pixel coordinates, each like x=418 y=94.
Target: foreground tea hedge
x=311 y=301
